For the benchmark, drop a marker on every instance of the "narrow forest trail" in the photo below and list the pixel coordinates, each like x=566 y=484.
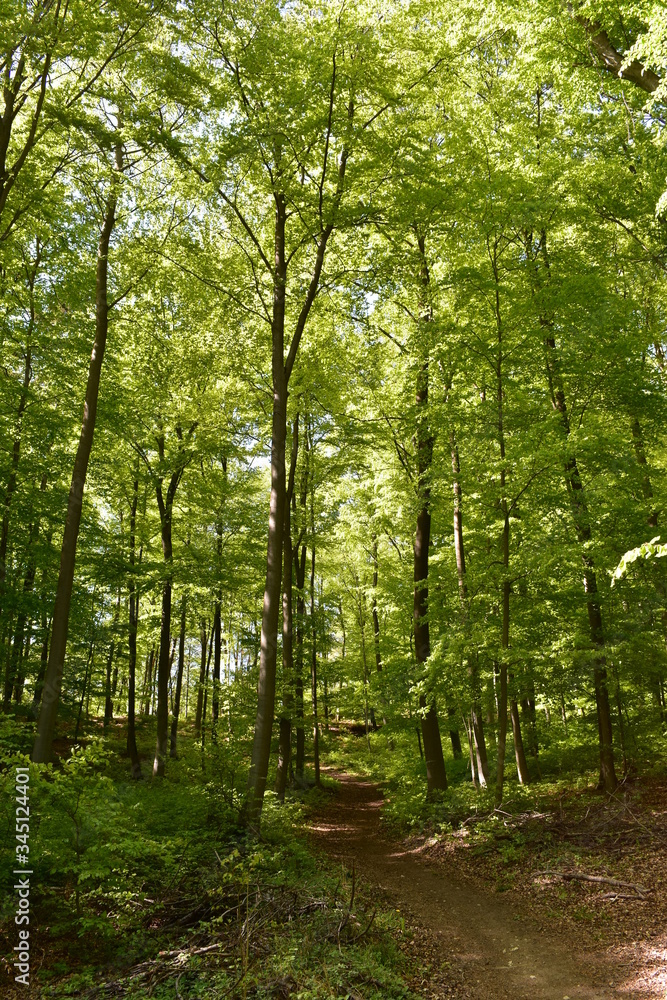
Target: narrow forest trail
x=492 y=949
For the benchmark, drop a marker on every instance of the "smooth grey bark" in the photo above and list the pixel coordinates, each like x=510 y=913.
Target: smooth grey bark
x=46 y=724
x=614 y=61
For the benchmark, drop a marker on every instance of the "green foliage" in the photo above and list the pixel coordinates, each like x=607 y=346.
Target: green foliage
x=473 y=205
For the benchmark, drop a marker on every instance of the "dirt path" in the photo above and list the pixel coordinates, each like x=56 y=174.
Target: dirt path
x=494 y=952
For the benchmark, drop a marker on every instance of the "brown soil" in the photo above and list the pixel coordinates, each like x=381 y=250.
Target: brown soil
x=476 y=943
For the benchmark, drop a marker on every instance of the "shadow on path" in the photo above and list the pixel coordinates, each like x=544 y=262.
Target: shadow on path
x=499 y=952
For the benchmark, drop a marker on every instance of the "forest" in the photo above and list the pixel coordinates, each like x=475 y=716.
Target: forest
x=333 y=471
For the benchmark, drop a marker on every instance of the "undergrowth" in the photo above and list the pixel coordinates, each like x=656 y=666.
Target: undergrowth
x=151 y=888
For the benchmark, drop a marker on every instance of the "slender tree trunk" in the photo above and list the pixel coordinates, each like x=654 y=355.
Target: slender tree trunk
x=640 y=454
x=166 y=508
x=477 y=732
x=376 y=630
x=436 y=775
x=502 y=730
x=23 y=664
x=10 y=489
x=490 y=717
x=148 y=681
x=179 y=680
x=114 y=679
x=108 y=705
x=216 y=635
x=419 y=741
x=504 y=642
x=522 y=770
x=285 y=737
x=281 y=368
x=519 y=751
x=132 y=750
x=15 y=676
x=313 y=667
x=376 y=620
x=266 y=687
x=454 y=736
x=474 y=773
x=46 y=632
x=300 y=572
x=202 y=683
x=41 y=673
x=652 y=521
x=54 y=672
x=621 y=725
x=362 y=629
x=529 y=726
x=579 y=508
x=88 y=671
x=208 y=664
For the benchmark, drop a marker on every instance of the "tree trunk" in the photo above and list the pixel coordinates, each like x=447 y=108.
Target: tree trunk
x=10 y=489
x=202 y=682
x=436 y=775
x=179 y=681
x=647 y=489
x=206 y=669
x=519 y=751
x=313 y=667
x=41 y=673
x=376 y=620
x=529 y=720
x=88 y=671
x=579 y=508
x=54 y=672
x=132 y=750
x=19 y=684
x=281 y=369
x=502 y=730
x=454 y=736
x=285 y=737
x=108 y=705
x=266 y=686
x=477 y=731
x=300 y=572
x=474 y=771
x=522 y=770
x=148 y=681
x=166 y=509
x=15 y=676
x=217 y=645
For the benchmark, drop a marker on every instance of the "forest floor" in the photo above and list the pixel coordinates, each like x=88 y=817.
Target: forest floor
x=526 y=934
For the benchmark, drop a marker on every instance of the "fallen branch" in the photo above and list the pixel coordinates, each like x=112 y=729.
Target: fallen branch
x=622 y=895
x=579 y=876
x=366 y=929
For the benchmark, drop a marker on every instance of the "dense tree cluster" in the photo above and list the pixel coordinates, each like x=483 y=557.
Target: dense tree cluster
x=392 y=275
